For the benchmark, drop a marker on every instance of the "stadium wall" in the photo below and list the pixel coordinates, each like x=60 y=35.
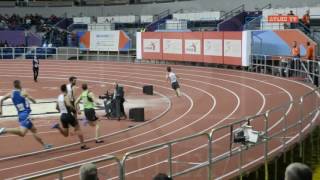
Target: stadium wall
x=154 y=8
x=229 y=48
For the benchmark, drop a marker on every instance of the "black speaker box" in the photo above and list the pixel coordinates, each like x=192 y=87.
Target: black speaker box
x=148 y=89
x=136 y=114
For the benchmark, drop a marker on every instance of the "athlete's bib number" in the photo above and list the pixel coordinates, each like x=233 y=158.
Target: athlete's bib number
x=20 y=107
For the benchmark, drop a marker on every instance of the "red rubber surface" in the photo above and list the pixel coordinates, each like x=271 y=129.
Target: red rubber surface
x=212 y=97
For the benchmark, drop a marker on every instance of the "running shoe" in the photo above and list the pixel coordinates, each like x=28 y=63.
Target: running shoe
x=99 y=141
x=55 y=126
x=48 y=146
x=84 y=121
x=84 y=147
x=2 y=130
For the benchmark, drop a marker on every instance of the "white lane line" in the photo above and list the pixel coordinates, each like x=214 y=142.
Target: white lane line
x=61 y=64
x=199 y=89
x=224 y=136
x=289 y=109
x=263 y=104
x=229 y=115
x=99 y=147
x=108 y=135
x=45 y=132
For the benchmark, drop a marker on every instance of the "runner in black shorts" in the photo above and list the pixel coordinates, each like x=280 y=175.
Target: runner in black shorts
x=89 y=101
x=173 y=78
x=67 y=117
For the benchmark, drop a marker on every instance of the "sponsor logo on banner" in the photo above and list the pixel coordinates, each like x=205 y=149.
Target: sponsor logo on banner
x=212 y=47
x=283 y=19
x=192 y=47
x=232 y=48
x=104 y=40
x=172 y=46
x=151 y=45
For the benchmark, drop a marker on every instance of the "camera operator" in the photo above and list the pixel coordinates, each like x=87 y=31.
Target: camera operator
x=113 y=103
x=118 y=96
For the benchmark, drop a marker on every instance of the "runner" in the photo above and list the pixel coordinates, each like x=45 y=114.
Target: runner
x=71 y=89
x=20 y=100
x=172 y=77
x=67 y=117
x=89 y=101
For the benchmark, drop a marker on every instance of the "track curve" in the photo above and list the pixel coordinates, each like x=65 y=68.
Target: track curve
x=212 y=97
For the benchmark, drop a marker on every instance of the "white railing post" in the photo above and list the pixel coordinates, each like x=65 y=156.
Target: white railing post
x=170 y=159
x=67 y=54
x=266 y=148
x=209 y=157
x=240 y=162
x=61 y=176
x=300 y=125
x=13 y=53
x=78 y=54
x=57 y=53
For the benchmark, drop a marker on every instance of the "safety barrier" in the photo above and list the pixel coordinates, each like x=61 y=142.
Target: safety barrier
x=64 y=53
x=68 y=167
x=280 y=129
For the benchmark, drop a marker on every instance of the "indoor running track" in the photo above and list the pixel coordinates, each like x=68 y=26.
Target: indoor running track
x=211 y=97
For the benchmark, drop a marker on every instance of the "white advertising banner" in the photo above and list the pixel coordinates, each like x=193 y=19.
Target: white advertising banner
x=232 y=48
x=82 y=20
x=151 y=45
x=212 y=47
x=104 y=40
x=172 y=46
x=192 y=46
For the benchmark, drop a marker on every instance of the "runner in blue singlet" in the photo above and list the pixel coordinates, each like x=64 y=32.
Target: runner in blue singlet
x=20 y=99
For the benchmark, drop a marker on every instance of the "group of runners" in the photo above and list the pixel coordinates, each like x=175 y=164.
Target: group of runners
x=68 y=106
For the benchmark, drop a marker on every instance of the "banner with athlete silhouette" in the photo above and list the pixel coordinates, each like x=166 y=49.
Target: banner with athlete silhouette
x=151 y=43
x=207 y=47
x=172 y=46
x=213 y=47
x=193 y=46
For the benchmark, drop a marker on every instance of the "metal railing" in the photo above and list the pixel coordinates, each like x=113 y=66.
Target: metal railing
x=167 y=145
x=68 y=167
x=65 y=53
x=233 y=12
x=267 y=6
x=254 y=24
x=300 y=69
x=158 y=17
x=279 y=130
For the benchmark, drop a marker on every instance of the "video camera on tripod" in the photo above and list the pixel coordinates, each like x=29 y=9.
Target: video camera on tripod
x=113 y=103
x=106 y=96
